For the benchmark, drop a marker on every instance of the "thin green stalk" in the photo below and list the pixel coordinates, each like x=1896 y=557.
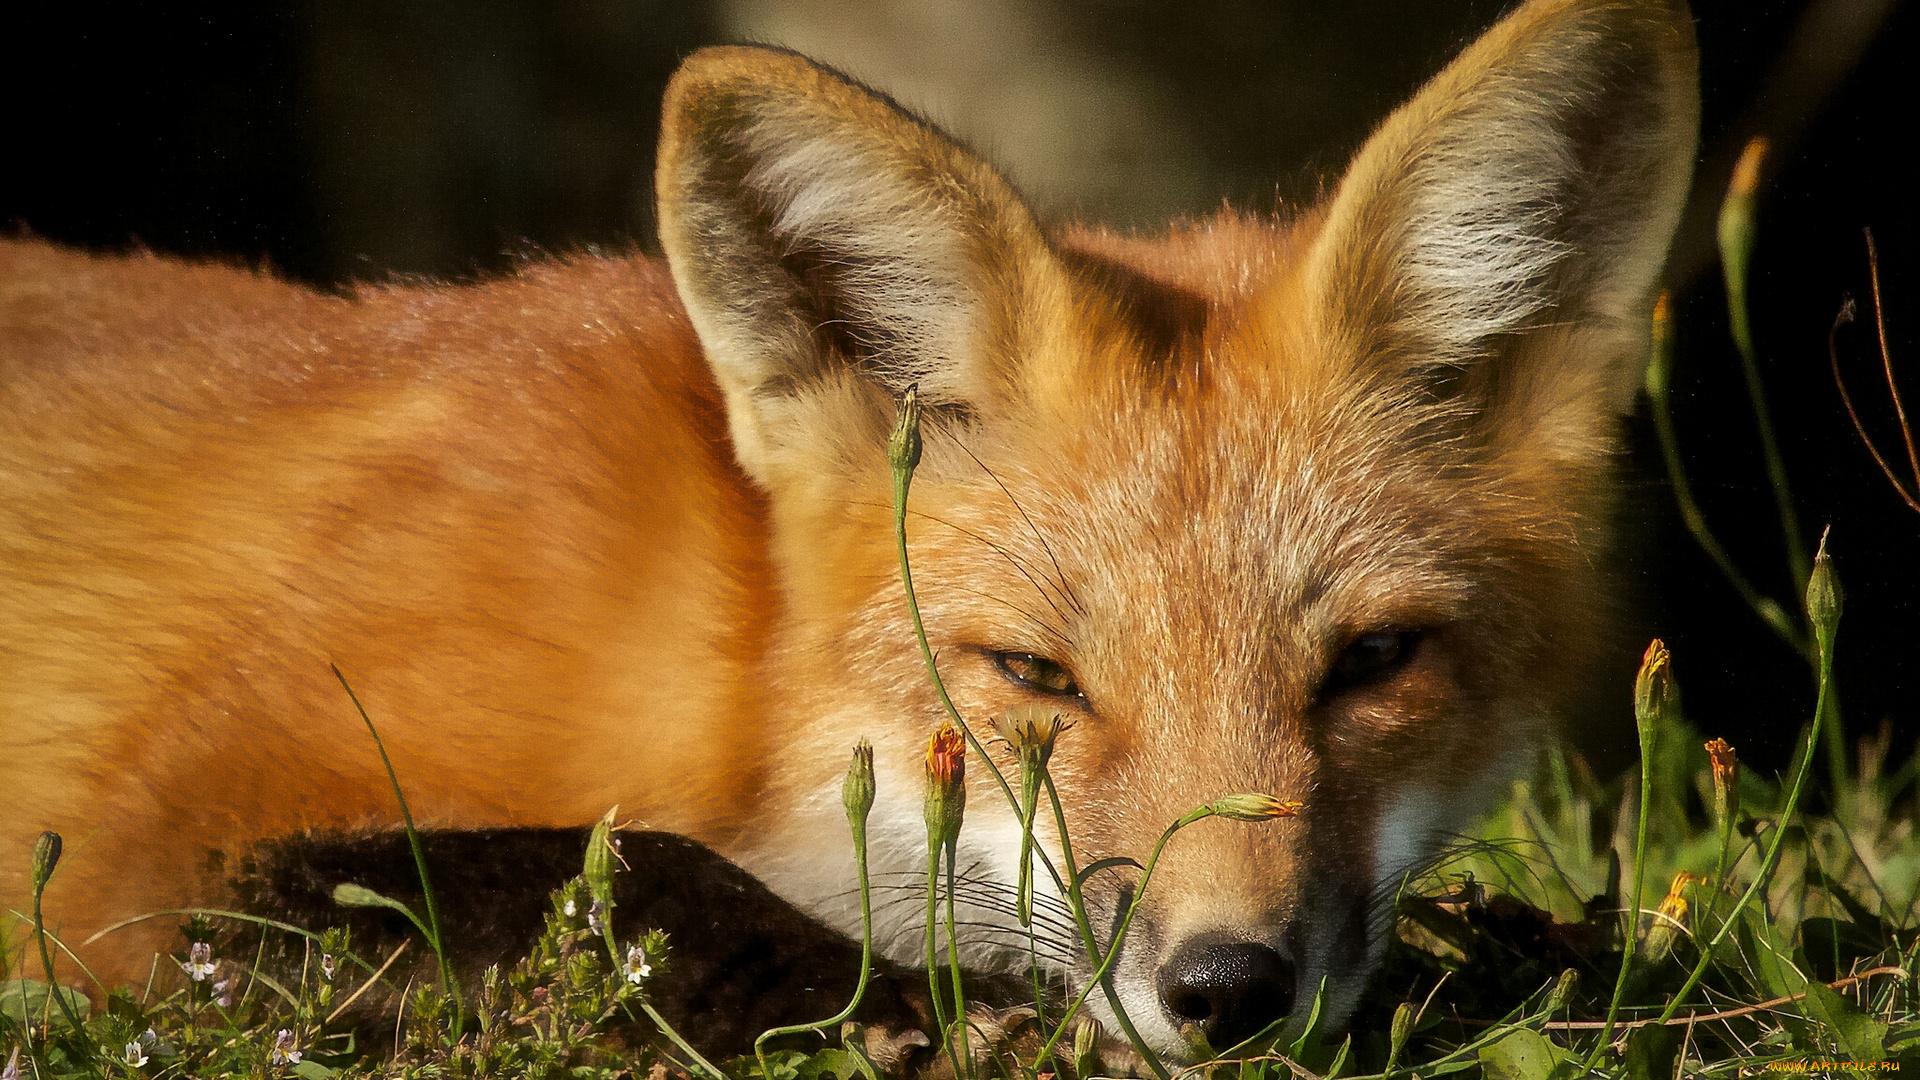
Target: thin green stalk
x=933 y=956
x=1103 y=977
x=1104 y=965
x=1823 y=605
x=965 y=1053
x=859 y=802
x=447 y=984
x=1736 y=234
x=1652 y=695
x=1659 y=367
x=660 y=1024
x=598 y=870
x=46 y=855
x=904 y=455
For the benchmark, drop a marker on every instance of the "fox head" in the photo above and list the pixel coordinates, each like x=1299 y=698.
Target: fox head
x=1314 y=507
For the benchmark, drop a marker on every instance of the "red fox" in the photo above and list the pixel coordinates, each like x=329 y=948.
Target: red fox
x=1313 y=506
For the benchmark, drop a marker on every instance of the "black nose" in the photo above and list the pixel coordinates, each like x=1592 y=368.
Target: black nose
x=1232 y=989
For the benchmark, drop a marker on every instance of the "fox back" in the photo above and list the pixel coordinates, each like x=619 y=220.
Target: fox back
x=1313 y=506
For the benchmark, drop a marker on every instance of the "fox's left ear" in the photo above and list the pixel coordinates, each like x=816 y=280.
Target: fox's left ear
x=1497 y=245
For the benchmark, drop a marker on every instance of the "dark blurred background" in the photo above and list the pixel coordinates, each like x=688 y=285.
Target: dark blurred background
x=356 y=140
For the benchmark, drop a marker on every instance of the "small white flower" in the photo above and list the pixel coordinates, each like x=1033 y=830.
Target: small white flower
x=595 y=917
x=199 y=965
x=326 y=966
x=223 y=993
x=136 y=1055
x=569 y=908
x=637 y=967
x=283 y=1051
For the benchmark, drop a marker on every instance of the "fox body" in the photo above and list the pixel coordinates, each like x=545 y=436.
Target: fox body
x=1315 y=507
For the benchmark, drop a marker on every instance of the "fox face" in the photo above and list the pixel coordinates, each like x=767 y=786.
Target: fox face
x=1312 y=507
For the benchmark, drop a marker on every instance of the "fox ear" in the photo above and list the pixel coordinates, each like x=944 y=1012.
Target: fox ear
x=1497 y=244
x=832 y=249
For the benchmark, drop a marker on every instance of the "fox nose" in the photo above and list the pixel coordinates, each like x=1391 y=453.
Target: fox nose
x=1231 y=989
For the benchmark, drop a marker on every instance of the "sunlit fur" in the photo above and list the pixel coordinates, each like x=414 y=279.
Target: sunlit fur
x=595 y=534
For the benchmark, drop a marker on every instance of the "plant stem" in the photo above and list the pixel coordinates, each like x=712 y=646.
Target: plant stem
x=965 y=1054
x=1102 y=974
x=1104 y=964
x=1659 y=367
x=866 y=958
x=1772 y=857
x=40 y=934
x=447 y=984
x=933 y=954
x=1630 y=939
x=660 y=1023
x=1736 y=232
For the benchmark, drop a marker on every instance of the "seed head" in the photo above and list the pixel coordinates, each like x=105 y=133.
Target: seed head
x=1562 y=991
x=1031 y=731
x=1401 y=1030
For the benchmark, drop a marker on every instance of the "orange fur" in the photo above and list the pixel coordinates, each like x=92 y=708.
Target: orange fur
x=598 y=534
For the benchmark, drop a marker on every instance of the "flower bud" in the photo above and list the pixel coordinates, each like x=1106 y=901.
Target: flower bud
x=1667 y=925
x=1824 y=597
x=903 y=447
x=600 y=858
x=46 y=856
x=1660 y=359
x=1086 y=1054
x=946 y=786
x=1253 y=807
x=1726 y=780
x=1735 y=226
x=1401 y=1031
x=1654 y=694
x=1562 y=991
x=856 y=792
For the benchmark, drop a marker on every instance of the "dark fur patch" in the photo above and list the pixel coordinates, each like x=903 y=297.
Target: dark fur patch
x=742 y=959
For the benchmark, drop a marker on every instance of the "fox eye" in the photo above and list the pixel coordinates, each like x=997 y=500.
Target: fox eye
x=1370 y=657
x=1037 y=673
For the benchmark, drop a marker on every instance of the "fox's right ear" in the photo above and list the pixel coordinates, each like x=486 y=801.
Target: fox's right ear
x=832 y=249
x=1496 y=247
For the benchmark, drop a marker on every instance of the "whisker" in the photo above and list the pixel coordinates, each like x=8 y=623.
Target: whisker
x=1060 y=575
x=996 y=548
x=1035 y=619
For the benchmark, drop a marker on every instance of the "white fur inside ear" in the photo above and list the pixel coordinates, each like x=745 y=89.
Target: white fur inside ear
x=895 y=248
x=1542 y=171
x=1479 y=250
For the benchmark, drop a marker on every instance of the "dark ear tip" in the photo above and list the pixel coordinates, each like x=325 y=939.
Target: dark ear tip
x=723 y=68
